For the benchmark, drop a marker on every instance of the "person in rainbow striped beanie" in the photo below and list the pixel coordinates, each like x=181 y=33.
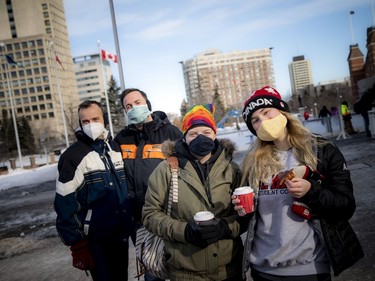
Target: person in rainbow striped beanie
x=201 y=141
x=201 y=114
x=206 y=178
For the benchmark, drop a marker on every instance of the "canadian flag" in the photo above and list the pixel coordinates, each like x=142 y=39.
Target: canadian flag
x=108 y=56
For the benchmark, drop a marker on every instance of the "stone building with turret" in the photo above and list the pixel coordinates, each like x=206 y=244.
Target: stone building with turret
x=362 y=70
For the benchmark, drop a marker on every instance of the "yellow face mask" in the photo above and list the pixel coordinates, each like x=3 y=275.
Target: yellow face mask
x=272 y=129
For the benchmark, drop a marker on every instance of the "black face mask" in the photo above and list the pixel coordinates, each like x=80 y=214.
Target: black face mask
x=201 y=145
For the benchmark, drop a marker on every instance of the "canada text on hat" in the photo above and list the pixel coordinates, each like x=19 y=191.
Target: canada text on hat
x=262 y=98
x=199 y=115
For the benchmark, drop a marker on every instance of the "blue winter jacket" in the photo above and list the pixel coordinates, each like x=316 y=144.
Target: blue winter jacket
x=91 y=193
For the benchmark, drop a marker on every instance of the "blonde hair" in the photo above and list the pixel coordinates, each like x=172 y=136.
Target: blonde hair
x=262 y=161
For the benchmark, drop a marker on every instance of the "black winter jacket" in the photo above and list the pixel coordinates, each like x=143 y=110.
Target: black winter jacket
x=332 y=202
x=141 y=152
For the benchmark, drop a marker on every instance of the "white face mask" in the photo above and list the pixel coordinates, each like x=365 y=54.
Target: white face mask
x=272 y=129
x=94 y=130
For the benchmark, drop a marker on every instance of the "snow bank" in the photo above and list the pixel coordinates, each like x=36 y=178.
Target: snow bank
x=20 y=177
x=242 y=138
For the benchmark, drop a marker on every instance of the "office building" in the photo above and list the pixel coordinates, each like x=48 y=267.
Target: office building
x=89 y=72
x=34 y=34
x=300 y=75
x=233 y=75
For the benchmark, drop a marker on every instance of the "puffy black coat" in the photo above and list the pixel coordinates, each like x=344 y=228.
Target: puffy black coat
x=141 y=152
x=332 y=201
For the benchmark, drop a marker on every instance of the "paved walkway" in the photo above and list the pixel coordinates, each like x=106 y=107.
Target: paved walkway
x=52 y=260
x=359 y=152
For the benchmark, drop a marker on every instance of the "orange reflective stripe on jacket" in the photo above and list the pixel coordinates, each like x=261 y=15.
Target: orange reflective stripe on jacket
x=129 y=151
x=152 y=151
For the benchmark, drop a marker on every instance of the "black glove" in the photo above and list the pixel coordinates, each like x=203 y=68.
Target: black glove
x=223 y=230
x=202 y=236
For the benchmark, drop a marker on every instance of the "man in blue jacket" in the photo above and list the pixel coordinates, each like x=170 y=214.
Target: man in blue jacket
x=91 y=202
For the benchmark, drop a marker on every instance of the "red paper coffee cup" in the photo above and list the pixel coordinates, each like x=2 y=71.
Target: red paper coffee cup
x=246 y=196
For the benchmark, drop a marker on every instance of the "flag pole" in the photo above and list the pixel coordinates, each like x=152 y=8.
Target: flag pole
x=13 y=113
x=342 y=134
x=105 y=90
x=60 y=95
x=115 y=35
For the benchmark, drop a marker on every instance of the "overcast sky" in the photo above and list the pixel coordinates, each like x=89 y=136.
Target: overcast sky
x=155 y=35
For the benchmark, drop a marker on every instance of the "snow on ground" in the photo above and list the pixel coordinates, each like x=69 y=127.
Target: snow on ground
x=20 y=177
x=242 y=138
x=48 y=172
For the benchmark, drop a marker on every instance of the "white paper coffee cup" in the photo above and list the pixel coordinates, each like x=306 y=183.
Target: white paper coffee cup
x=204 y=218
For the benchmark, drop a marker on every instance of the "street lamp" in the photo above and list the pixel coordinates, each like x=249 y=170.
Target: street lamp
x=342 y=134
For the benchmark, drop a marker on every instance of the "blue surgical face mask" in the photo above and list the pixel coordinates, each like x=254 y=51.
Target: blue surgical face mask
x=138 y=114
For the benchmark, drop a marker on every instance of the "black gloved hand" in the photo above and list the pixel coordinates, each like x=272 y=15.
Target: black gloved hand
x=223 y=230
x=202 y=236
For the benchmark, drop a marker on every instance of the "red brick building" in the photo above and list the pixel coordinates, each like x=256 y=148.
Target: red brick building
x=362 y=72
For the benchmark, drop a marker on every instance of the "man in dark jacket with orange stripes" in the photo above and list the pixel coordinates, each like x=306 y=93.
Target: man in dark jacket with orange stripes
x=140 y=145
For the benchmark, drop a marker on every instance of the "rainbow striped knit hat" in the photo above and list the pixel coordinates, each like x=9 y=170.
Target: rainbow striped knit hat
x=200 y=114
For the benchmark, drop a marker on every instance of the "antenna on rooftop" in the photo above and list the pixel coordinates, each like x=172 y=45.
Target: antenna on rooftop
x=351 y=25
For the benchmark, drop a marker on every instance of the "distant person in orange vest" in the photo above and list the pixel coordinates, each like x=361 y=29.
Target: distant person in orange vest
x=347 y=117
